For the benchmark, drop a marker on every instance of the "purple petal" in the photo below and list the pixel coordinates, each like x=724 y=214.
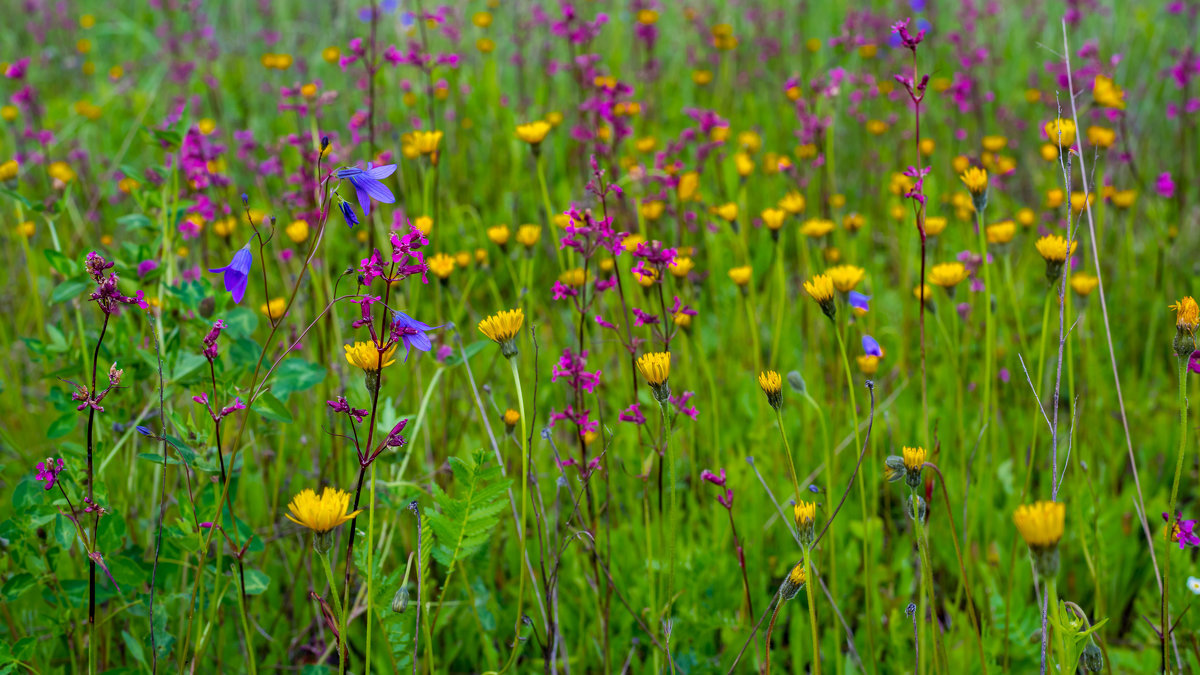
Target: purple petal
x=364 y=197
x=381 y=172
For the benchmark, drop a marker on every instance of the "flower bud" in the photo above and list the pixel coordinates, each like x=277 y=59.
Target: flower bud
x=1092 y=658
x=920 y=510
x=400 y=600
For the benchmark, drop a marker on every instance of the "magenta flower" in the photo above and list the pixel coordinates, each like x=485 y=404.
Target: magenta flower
x=633 y=415
x=1182 y=531
x=908 y=40
x=1164 y=185
x=46 y=471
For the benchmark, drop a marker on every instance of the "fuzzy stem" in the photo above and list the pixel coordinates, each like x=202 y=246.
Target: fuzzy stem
x=1183 y=409
x=673 y=517
x=788 y=452
x=524 y=508
x=812 y=611
x=337 y=605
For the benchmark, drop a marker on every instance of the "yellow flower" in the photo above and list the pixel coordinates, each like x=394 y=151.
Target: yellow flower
x=554 y=117
x=728 y=211
x=745 y=164
x=441 y=265
x=655 y=367
x=426 y=142
x=485 y=45
x=61 y=172
x=1060 y=132
x=1054 y=198
x=320 y=514
x=820 y=288
x=646 y=144
x=772 y=385
x=646 y=277
x=1049 y=152
x=792 y=202
x=689 y=185
x=1032 y=95
x=837 y=200
x=462 y=258
x=914 y=458
x=9 y=112
x=498 y=235
x=702 y=77
x=994 y=143
x=366 y=356
x=1026 y=217
x=423 y=224
x=976 y=180
x=927 y=146
x=846 y=277
x=773 y=218
x=1084 y=283
x=528 y=235
x=868 y=364
x=796 y=578
x=1041 y=524
x=806 y=151
x=853 y=222
x=502 y=328
x=812 y=45
x=960 y=164
x=868 y=51
x=574 y=278
x=274 y=308
x=947 y=275
x=309 y=90
x=741 y=275
x=534 y=132
x=876 y=127
x=297 y=231
x=482 y=19
x=647 y=17
x=1124 y=199
x=682 y=320
x=653 y=210
x=816 y=228
x=25 y=229
x=511 y=417
x=680 y=266
x=1187 y=314
x=8 y=170
x=1001 y=232
x=804 y=513
x=115 y=73
x=331 y=54
x=87 y=21
x=1054 y=248
x=1101 y=137
x=750 y=141
x=1108 y=93
x=934 y=226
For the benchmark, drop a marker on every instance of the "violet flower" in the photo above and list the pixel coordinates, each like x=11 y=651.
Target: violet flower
x=367 y=186
x=1165 y=186
x=237 y=273
x=871 y=346
x=412 y=332
x=859 y=301
x=348 y=213
x=46 y=471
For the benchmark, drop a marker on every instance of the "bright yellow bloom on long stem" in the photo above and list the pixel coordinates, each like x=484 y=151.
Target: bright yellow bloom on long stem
x=846 y=277
x=534 y=132
x=503 y=326
x=976 y=180
x=320 y=513
x=366 y=356
x=1053 y=248
x=655 y=367
x=947 y=275
x=914 y=458
x=1061 y=132
x=1041 y=523
x=1187 y=314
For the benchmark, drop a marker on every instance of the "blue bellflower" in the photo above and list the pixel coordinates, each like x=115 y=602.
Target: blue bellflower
x=871 y=347
x=412 y=332
x=237 y=272
x=367 y=186
x=859 y=301
x=348 y=213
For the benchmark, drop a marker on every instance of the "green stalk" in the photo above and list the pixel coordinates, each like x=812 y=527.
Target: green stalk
x=779 y=306
x=1037 y=420
x=541 y=174
x=788 y=452
x=524 y=509
x=337 y=605
x=673 y=517
x=990 y=334
x=812 y=610
x=252 y=661
x=370 y=571
x=1183 y=408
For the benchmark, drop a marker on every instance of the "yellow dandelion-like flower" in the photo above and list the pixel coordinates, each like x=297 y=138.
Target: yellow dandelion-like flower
x=793 y=202
x=934 y=226
x=772 y=385
x=1108 y=93
x=534 y=132
x=846 y=277
x=868 y=364
x=441 y=265
x=820 y=288
x=994 y=143
x=529 y=235
x=1041 y=523
x=1053 y=248
x=1060 y=132
x=653 y=210
x=320 y=513
x=816 y=228
x=656 y=368
x=727 y=212
x=793 y=582
x=426 y=142
x=1084 y=283
x=741 y=275
x=853 y=222
x=274 y=308
x=923 y=292
x=688 y=187
x=976 y=180
x=511 y=417
x=947 y=275
x=1187 y=314
x=574 y=278
x=914 y=458
x=502 y=328
x=297 y=231
x=773 y=218
x=366 y=356
x=1001 y=232
x=8 y=170
x=681 y=266
x=804 y=513
x=498 y=235
x=1101 y=137
x=1124 y=199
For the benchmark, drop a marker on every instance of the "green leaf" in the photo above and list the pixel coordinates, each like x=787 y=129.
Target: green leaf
x=136 y=221
x=272 y=408
x=464 y=526
x=241 y=323
x=186 y=365
x=134 y=647
x=62 y=426
x=256 y=582
x=158 y=459
x=468 y=351
x=70 y=288
x=296 y=374
x=64 y=265
x=188 y=455
x=16 y=586
x=16 y=196
x=28 y=494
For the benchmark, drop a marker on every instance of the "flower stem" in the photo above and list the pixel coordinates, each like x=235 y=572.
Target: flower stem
x=524 y=508
x=788 y=452
x=337 y=606
x=1183 y=410
x=541 y=175
x=370 y=571
x=673 y=517
x=812 y=611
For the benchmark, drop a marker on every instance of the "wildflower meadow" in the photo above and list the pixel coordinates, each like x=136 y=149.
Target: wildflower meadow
x=612 y=336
